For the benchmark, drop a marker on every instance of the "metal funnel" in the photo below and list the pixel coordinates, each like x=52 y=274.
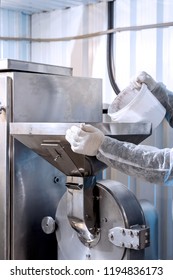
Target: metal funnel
x=48 y=141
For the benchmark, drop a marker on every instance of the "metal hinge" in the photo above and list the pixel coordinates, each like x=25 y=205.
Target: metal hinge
x=137 y=237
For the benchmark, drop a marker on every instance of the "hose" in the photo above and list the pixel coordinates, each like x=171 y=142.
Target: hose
x=110 y=41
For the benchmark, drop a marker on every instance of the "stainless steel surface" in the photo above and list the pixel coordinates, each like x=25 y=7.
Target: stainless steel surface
x=137 y=237
x=38 y=110
x=108 y=128
x=30 y=187
x=32 y=6
x=48 y=225
x=83 y=209
x=34 y=195
x=152 y=221
x=48 y=140
x=5 y=117
x=26 y=66
x=129 y=132
x=118 y=207
x=53 y=98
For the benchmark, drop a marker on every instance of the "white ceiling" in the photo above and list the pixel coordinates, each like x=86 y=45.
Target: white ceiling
x=37 y=6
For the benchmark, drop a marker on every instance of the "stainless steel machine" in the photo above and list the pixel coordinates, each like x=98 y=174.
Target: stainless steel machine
x=45 y=187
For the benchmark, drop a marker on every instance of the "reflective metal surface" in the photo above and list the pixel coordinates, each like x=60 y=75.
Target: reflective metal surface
x=83 y=209
x=5 y=117
x=30 y=187
x=25 y=66
x=34 y=195
x=36 y=111
x=54 y=98
x=48 y=140
x=136 y=238
x=118 y=207
x=115 y=130
x=48 y=225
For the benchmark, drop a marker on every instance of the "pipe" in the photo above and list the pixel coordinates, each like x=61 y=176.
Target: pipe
x=90 y=35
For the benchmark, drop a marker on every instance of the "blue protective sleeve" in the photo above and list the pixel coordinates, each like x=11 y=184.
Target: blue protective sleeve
x=166 y=99
x=146 y=162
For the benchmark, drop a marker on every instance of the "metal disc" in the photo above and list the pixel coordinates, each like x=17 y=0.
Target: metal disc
x=69 y=245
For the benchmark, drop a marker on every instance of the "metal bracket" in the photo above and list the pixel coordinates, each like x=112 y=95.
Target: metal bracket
x=83 y=209
x=137 y=237
x=61 y=157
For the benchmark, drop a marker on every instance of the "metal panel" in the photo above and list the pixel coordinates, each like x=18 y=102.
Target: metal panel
x=37 y=188
x=48 y=140
x=25 y=66
x=56 y=98
x=5 y=90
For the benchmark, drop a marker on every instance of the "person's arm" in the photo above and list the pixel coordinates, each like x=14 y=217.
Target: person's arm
x=146 y=162
x=166 y=99
x=159 y=90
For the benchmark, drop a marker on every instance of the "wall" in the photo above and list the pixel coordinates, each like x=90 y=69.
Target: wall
x=14 y=24
x=83 y=55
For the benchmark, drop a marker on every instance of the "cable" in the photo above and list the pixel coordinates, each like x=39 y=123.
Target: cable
x=110 y=40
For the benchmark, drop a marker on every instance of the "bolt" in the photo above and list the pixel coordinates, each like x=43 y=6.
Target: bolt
x=57 y=157
x=88 y=256
x=56 y=180
x=112 y=236
x=136 y=233
x=104 y=220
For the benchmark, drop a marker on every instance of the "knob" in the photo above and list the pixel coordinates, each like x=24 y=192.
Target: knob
x=48 y=225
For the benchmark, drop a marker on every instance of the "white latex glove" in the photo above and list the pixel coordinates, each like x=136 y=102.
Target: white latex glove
x=85 y=139
x=145 y=78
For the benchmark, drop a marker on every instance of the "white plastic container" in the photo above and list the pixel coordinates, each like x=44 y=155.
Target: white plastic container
x=133 y=105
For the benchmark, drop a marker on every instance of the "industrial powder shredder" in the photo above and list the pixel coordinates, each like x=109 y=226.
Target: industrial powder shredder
x=45 y=187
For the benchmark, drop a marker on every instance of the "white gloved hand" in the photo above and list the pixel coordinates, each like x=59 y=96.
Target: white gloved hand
x=145 y=78
x=85 y=139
